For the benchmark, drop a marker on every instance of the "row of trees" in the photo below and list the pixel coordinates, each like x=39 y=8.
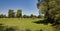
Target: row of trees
x=31 y=16
x=18 y=14
x=12 y=14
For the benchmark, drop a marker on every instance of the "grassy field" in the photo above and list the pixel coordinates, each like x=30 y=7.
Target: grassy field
x=25 y=23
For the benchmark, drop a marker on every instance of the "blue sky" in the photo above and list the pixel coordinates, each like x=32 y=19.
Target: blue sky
x=28 y=6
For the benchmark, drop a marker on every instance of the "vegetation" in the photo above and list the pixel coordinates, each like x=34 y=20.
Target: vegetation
x=11 y=13
x=19 y=13
x=2 y=16
x=50 y=9
x=24 y=23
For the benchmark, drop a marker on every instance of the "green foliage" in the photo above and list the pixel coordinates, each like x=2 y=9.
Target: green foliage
x=25 y=16
x=19 y=13
x=39 y=16
x=2 y=16
x=11 y=13
x=51 y=9
x=33 y=16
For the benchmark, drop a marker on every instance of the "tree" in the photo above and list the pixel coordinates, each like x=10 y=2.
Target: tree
x=2 y=16
x=39 y=16
x=50 y=8
x=26 y=16
x=11 y=13
x=19 y=13
x=31 y=15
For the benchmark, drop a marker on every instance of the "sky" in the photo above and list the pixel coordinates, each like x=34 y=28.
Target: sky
x=28 y=6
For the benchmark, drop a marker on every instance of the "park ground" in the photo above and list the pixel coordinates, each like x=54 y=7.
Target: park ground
x=25 y=23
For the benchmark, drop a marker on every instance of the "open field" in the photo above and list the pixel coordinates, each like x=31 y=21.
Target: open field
x=25 y=23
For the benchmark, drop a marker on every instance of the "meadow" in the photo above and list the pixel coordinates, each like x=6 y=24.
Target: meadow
x=25 y=23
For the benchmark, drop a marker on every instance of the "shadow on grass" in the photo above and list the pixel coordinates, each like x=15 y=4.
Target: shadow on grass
x=27 y=30
x=45 y=22
x=42 y=22
x=2 y=27
x=12 y=28
x=6 y=28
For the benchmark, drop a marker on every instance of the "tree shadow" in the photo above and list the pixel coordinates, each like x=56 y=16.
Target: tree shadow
x=45 y=22
x=2 y=27
x=11 y=29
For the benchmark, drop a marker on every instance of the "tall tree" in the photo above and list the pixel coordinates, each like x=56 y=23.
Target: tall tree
x=50 y=8
x=11 y=13
x=19 y=13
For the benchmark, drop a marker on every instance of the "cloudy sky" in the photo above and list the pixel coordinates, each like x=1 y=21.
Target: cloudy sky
x=28 y=6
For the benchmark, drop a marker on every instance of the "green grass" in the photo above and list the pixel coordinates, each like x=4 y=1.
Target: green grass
x=25 y=23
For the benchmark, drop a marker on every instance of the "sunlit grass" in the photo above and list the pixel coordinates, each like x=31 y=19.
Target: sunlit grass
x=25 y=23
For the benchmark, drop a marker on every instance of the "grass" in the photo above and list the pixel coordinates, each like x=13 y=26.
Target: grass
x=25 y=23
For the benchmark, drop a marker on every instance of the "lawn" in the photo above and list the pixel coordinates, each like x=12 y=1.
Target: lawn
x=25 y=23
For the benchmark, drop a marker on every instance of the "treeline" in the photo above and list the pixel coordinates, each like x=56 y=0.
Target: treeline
x=18 y=14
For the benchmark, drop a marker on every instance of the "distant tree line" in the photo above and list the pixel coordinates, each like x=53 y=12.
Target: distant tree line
x=18 y=14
